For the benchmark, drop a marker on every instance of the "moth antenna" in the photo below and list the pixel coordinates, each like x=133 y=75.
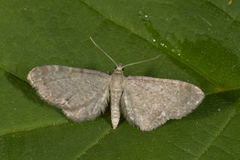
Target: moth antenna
x=97 y=46
x=143 y=61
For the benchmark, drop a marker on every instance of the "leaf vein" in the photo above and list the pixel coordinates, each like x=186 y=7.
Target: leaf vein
x=185 y=150
x=200 y=73
x=217 y=134
x=33 y=128
x=94 y=143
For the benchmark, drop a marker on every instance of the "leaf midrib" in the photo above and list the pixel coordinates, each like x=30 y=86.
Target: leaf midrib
x=195 y=70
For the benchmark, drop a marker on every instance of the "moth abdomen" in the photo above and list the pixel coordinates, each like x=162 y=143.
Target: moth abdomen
x=115 y=106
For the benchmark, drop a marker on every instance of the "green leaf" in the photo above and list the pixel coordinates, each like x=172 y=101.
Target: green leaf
x=198 y=42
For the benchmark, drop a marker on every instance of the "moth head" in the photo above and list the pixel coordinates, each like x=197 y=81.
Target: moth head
x=119 y=68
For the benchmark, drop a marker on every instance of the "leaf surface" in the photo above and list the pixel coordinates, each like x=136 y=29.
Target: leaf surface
x=198 y=42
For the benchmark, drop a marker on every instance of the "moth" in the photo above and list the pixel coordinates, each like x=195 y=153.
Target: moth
x=84 y=94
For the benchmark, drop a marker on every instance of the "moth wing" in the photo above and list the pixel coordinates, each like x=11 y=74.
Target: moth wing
x=82 y=94
x=149 y=102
